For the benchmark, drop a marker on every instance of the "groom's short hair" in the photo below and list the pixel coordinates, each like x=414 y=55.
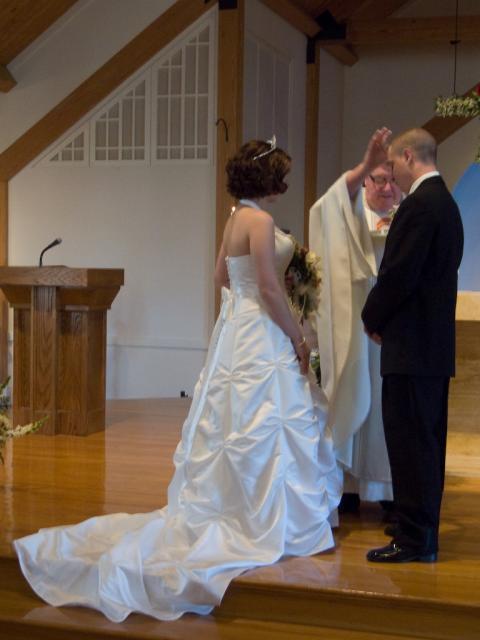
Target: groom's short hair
x=419 y=141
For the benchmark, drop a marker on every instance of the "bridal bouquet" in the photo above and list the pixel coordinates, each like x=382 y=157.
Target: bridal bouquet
x=302 y=281
x=6 y=429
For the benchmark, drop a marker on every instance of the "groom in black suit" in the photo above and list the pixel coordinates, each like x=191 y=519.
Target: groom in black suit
x=411 y=312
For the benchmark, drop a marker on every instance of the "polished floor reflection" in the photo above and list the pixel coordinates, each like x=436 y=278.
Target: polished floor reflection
x=49 y=480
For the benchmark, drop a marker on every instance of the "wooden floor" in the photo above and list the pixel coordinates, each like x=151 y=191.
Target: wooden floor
x=63 y=479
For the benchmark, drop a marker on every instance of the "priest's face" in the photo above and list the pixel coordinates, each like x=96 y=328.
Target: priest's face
x=381 y=191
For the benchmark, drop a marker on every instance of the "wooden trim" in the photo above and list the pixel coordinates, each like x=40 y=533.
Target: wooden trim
x=304 y=23
x=3 y=261
x=398 y=31
x=7 y=81
x=231 y=27
x=443 y=128
x=100 y=84
x=311 y=138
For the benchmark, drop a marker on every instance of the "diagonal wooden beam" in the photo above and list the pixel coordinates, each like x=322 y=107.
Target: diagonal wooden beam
x=443 y=128
x=304 y=22
x=399 y=31
x=100 y=84
x=374 y=10
x=7 y=81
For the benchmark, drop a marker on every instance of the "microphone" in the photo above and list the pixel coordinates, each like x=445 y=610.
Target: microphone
x=49 y=246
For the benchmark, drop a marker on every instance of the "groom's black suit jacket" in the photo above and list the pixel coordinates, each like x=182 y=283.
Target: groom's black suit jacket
x=412 y=305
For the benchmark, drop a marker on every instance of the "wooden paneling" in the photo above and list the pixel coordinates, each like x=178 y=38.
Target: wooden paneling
x=44 y=350
x=22 y=21
x=100 y=84
x=406 y=31
x=311 y=138
x=7 y=81
x=231 y=26
x=443 y=128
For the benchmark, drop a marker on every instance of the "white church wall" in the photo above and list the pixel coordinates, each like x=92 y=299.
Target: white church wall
x=274 y=100
x=73 y=48
x=157 y=221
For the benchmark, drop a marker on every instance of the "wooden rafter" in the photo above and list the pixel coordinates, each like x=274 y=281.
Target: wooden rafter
x=412 y=30
x=22 y=21
x=443 y=128
x=7 y=81
x=100 y=84
x=374 y=10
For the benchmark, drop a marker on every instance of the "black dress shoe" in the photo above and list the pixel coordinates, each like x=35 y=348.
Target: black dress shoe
x=395 y=553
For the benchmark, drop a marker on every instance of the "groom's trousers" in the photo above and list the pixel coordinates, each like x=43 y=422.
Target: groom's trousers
x=415 y=412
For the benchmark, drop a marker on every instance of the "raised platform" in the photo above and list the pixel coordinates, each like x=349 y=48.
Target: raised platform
x=49 y=481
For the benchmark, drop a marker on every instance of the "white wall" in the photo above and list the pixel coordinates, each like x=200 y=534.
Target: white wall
x=157 y=222
x=74 y=47
x=265 y=26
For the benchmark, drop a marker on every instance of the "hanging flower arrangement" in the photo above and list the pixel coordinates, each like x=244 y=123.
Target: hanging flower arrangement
x=460 y=106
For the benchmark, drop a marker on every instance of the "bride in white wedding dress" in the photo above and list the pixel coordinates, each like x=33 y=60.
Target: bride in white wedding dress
x=255 y=474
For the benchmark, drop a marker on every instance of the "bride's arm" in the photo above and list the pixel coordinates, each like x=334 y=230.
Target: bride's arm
x=262 y=250
x=221 y=273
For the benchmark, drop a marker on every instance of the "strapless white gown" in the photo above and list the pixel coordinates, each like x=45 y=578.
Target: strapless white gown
x=255 y=479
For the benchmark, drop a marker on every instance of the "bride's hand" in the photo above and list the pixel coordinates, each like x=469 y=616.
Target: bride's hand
x=303 y=354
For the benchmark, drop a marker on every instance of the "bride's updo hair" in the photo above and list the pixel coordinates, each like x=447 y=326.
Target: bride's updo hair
x=257 y=177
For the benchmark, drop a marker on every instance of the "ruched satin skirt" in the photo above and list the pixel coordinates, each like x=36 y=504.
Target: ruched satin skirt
x=255 y=479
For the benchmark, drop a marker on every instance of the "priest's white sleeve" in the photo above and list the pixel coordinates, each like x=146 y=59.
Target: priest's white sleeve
x=339 y=235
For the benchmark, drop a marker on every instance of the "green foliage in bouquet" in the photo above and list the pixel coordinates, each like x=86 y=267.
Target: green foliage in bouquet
x=6 y=429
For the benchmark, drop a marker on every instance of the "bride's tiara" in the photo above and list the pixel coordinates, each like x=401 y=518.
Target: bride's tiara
x=272 y=146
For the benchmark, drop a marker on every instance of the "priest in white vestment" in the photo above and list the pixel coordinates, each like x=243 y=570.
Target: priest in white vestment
x=348 y=229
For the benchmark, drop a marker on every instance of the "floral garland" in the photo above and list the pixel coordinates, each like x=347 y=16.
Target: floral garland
x=460 y=106
x=6 y=429
x=302 y=281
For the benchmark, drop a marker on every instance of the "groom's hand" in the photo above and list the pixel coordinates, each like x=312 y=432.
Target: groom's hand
x=373 y=336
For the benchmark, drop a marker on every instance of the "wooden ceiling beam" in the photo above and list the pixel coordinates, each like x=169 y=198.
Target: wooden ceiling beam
x=374 y=10
x=7 y=81
x=398 y=31
x=304 y=23
x=443 y=128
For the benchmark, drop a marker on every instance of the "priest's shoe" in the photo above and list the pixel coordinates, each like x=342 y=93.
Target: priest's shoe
x=396 y=553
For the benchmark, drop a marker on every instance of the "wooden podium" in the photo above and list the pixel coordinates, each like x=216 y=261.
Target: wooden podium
x=59 y=344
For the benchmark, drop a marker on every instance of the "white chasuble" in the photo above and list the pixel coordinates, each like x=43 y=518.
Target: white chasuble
x=350 y=362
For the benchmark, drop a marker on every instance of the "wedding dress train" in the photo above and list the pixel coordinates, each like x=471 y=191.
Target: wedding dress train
x=255 y=479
